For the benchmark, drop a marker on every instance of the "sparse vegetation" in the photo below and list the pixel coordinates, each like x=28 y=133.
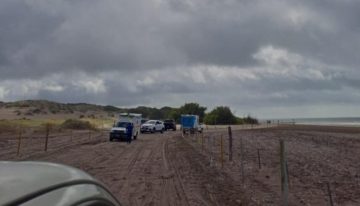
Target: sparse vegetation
x=44 y=106
x=110 y=108
x=17 y=112
x=92 y=113
x=36 y=111
x=77 y=124
x=7 y=126
x=92 y=116
x=28 y=113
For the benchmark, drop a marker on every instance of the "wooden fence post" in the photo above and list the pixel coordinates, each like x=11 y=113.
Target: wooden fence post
x=259 y=158
x=19 y=142
x=202 y=141
x=211 y=150
x=284 y=175
x=242 y=160
x=230 y=144
x=221 y=151
x=329 y=194
x=198 y=138
x=47 y=136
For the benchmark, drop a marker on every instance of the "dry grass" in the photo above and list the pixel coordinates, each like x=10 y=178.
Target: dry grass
x=7 y=126
x=77 y=124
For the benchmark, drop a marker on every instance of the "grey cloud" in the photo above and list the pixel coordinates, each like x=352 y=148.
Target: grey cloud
x=120 y=35
x=168 y=51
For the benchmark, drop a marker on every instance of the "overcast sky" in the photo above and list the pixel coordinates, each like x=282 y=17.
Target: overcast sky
x=267 y=58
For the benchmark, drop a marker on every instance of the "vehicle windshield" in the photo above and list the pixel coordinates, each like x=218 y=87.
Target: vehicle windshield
x=122 y=124
x=150 y=122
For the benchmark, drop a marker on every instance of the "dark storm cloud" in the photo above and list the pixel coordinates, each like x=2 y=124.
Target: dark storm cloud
x=42 y=37
x=131 y=35
x=113 y=35
x=160 y=52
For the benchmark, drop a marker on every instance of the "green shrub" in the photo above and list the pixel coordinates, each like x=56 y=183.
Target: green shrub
x=77 y=124
x=250 y=120
x=220 y=115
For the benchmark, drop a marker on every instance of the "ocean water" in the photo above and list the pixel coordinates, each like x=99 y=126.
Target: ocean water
x=337 y=121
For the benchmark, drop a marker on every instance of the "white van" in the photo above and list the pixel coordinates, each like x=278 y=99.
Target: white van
x=119 y=130
x=133 y=118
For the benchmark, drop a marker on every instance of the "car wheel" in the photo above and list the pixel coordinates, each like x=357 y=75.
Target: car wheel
x=111 y=139
x=162 y=131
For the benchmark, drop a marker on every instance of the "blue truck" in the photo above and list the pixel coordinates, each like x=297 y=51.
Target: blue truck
x=190 y=123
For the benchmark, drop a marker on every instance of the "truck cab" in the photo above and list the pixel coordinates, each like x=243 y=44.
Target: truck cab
x=121 y=131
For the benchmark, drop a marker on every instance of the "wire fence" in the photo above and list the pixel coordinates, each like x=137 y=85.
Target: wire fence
x=25 y=144
x=277 y=168
x=308 y=169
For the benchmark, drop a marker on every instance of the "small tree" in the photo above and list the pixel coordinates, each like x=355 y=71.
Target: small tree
x=221 y=115
x=193 y=108
x=250 y=120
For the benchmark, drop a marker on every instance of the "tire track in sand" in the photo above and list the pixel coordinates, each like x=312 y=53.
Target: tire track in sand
x=172 y=184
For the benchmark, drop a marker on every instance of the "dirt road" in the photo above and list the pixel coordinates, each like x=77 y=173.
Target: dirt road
x=168 y=169
x=156 y=169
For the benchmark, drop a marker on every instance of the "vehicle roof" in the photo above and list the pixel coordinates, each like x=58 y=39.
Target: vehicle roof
x=21 y=179
x=153 y=120
x=189 y=115
x=130 y=114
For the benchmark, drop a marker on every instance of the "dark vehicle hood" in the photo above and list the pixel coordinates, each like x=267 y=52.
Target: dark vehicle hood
x=21 y=179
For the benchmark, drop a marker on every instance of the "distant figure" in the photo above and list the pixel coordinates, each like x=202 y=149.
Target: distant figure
x=129 y=128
